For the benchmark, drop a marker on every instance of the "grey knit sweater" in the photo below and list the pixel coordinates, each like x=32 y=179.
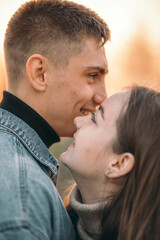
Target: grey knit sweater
x=90 y=215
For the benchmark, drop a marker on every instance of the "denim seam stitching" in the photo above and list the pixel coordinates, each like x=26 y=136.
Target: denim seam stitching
x=53 y=168
x=11 y=225
x=22 y=178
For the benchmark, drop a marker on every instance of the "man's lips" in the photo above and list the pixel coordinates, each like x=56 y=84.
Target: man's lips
x=86 y=112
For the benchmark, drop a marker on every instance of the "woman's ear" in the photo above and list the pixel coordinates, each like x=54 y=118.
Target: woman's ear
x=35 y=68
x=120 y=166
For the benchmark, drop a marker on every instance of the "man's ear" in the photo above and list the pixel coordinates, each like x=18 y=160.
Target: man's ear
x=35 y=68
x=120 y=166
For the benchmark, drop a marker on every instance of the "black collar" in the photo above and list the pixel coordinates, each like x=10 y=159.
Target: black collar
x=20 y=109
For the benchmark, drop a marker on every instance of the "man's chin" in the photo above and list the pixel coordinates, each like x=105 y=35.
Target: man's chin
x=68 y=133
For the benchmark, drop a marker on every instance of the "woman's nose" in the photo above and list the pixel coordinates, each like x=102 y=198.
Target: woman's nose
x=80 y=121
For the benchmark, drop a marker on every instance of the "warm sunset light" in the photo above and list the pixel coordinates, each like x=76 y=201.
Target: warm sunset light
x=134 y=52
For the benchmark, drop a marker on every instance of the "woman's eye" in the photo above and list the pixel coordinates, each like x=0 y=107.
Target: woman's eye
x=93 y=117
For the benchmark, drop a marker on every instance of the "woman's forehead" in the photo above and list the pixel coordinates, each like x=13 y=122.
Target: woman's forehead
x=114 y=104
x=117 y=98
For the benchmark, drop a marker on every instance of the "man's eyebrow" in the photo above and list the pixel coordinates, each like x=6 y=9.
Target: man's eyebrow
x=100 y=69
x=101 y=109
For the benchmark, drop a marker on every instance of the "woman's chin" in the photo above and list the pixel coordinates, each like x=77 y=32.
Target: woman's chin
x=65 y=158
x=62 y=157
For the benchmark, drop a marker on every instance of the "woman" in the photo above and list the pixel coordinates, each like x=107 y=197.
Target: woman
x=115 y=161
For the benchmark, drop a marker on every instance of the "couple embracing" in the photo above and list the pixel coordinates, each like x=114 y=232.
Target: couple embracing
x=56 y=68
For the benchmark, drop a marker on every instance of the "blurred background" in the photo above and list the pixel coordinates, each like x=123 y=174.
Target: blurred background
x=133 y=53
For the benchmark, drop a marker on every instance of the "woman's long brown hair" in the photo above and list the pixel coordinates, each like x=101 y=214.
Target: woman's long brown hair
x=135 y=211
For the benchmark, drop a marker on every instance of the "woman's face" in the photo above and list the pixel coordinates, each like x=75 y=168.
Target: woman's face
x=91 y=151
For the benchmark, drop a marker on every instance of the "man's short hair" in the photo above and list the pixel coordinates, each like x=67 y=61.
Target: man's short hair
x=53 y=28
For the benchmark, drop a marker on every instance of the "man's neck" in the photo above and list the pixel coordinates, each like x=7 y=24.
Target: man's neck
x=20 y=109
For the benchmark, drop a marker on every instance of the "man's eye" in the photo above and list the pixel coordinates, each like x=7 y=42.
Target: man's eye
x=92 y=77
x=93 y=118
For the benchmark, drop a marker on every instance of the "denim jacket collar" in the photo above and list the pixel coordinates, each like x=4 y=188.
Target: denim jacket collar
x=17 y=107
x=30 y=140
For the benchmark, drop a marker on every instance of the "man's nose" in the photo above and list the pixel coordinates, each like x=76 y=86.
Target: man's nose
x=100 y=94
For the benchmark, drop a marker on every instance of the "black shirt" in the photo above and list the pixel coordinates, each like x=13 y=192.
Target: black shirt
x=20 y=109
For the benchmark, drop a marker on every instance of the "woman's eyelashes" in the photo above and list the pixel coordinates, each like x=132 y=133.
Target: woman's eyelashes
x=93 y=117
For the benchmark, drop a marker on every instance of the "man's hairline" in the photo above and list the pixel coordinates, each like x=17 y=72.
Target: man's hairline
x=78 y=50
x=75 y=52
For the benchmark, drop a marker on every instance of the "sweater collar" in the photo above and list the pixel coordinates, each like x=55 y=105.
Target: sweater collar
x=90 y=215
x=20 y=109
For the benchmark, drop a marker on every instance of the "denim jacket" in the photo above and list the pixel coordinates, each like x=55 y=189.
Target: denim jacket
x=30 y=206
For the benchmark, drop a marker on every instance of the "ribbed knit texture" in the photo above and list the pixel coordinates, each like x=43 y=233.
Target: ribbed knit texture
x=90 y=216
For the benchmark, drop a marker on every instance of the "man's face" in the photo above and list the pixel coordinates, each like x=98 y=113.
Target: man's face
x=76 y=89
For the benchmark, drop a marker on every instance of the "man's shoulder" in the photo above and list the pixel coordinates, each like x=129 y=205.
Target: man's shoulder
x=23 y=134
x=29 y=199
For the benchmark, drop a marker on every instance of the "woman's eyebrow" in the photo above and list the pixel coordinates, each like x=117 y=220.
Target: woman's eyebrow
x=101 y=109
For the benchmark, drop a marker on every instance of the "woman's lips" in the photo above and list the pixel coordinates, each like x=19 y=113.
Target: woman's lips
x=72 y=144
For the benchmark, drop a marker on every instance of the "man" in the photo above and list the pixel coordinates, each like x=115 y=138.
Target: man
x=56 y=67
